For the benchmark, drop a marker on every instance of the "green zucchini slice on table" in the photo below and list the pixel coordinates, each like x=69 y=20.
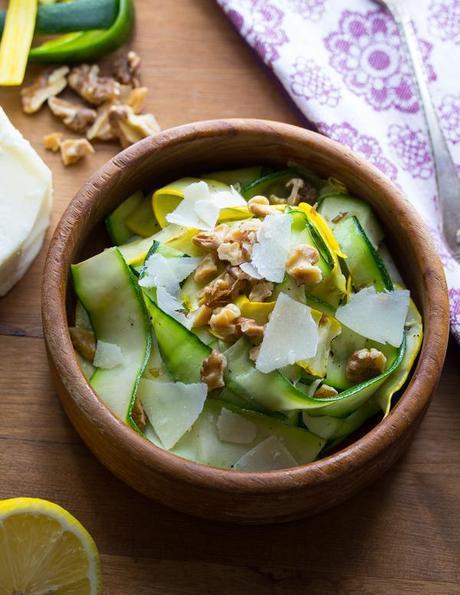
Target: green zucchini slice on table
x=110 y=294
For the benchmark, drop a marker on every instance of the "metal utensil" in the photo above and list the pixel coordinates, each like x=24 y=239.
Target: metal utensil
x=446 y=173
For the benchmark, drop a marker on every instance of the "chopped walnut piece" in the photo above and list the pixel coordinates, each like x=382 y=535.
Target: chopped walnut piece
x=130 y=127
x=260 y=206
x=74 y=149
x=101 y=128
x=85 y=80
x=254 y=352
x=325 y=392
x=126 y=69
x=83 y=341
x=300 y=264
x=260 y=291
x=138 y=415
x=210 y=240
x=207 y=269
x=238 y=242
x=136 y=99
x=52 y=142
x=221 y=290
x=48 y=84
x=223 y=321
x=250 y=328
x=76 y=117
x=212 y=370
x=237 y=273
x=364 y=364
x=201 y=316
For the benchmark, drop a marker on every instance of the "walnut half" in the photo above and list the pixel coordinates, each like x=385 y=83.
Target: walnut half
x=212 y=370
x=364 y=364
x=49 y=84
x=85 y=80
x=76 y=117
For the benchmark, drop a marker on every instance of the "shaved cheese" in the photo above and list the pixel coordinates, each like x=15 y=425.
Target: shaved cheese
x=167 y=272
x=376 y=316
x=250 y=270
x=271 y=250
x=235 y=428
x=200 y=206
x=268 y=455
x=172 y=306
x=172 y=407
x=108 y=355
x=290 y=335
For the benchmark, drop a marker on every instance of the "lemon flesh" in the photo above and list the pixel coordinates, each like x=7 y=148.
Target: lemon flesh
x=44 y=549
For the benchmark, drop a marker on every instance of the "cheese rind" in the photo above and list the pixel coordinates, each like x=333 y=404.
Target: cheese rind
x=25 y=204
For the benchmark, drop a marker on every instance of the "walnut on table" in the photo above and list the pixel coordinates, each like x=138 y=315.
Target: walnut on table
x=101 y=128
x=364 y=364
x=130 y=127
x=49 y=84
x=127 y=69
x=95 y=89
x=77 y=118
x=52 y=142
x=212 y=370
x=74 y=149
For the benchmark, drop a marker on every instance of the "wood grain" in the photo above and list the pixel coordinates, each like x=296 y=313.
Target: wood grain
x=401 y=535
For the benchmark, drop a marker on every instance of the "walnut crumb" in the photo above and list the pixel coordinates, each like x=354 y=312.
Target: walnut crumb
x=101 y=128
x=76 y=117
x=207 y=269
x=250 y=328
x=212 y=370
x=138 y=415
x=49 y=84
x=260 y=206
x=74 y=149
x=201 y=316
x=223 y=322
x=364 y=364
x=260 y=291
x=325 y=392
x=84 y=341
x=210 y=240
x=52 y=142
x=301 y=264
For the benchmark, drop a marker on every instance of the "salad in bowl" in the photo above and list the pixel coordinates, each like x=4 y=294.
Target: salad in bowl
x=248 y=319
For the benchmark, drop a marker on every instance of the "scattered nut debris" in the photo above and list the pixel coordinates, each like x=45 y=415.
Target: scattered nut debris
x=49 y=84
x=126 y=69
x=115 y=112
x=74 y=149
x=76 y=117
x=52 y=142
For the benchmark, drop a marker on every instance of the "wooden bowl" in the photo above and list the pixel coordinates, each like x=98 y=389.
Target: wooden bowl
x=198 y=489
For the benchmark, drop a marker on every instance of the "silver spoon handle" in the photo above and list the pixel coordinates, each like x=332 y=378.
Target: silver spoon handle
x=446 y=172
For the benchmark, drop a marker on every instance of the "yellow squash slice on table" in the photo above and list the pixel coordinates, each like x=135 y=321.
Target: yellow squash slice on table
x=44 y=549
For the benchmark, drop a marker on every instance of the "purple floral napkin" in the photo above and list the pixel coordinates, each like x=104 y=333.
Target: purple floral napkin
x=343 y=64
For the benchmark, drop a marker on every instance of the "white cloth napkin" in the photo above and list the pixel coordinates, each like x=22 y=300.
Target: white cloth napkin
x=344 y=65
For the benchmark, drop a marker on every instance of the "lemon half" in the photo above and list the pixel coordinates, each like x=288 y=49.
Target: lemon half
x=44 y=549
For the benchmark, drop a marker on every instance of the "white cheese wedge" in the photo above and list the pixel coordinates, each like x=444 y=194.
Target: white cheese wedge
x=268 y=455
x=108 y=355
x=172 y=306
x=376 y=316
x=172 y=407
x=271 y=250
x=234 y=428
x=25 y=204
x=201 y=206
x=167 y=272
x=291 y=335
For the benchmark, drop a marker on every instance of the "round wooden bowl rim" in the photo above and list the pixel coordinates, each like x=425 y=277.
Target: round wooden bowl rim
x=410 y=406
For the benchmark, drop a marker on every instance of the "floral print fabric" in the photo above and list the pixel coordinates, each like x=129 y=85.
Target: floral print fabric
x=345 y=66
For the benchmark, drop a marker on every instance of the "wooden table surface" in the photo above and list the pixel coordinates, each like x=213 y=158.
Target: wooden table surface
x=401 y=535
